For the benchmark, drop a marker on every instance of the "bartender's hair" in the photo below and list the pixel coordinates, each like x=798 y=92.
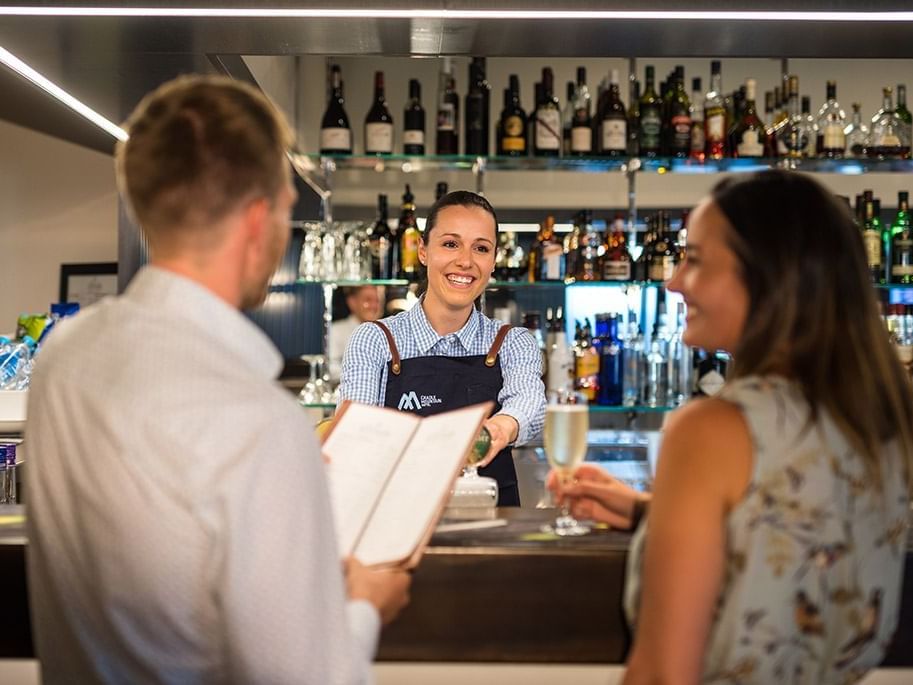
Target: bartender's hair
x=813 y=312
x=458 y=198
x=198 y=148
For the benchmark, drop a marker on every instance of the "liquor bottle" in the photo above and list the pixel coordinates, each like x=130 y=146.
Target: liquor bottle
x=656 y=377
x=379 y=123
x=634 y=121
x=792 y=136
x=651 y=118
x=532 y=321
x=587 y=266
x=616 y=262
x=380 y=241
x=769 y=105
x=697 y=121
x=335 y=132
x=447 y=136
x=414 y=121
x=889 y=139
x=857 y=134
x=409 y=238
x=582 y=123
x=681 y=362
x=561 y=359
x=678 y=117
x=632 y=353
x=902 y=242
x=586 y=365
x=663 y=252
x=546 y=258
x=440 y=190
x=748 y=137
x=572 y=243
x=641 y=267
x=902 y=112
x=531 y=118
x=611 y=365
x=709 y=372
x=548 y=119
x=811 y=125
x=515 y=261
x=513 y=123
x=567 y=120
x=613 y=123
x=871 y=236
x=831 y=138
x=477 y=106
x=715 y=124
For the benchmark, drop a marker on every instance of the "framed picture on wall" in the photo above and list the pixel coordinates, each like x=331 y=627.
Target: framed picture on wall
x=87 y=283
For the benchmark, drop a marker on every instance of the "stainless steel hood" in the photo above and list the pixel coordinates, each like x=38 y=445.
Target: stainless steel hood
x=110 y=62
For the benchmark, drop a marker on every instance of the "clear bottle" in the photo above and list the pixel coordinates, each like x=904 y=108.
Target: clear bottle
x=656 y=380
x=890 y=136
x=831 y=138
x=715 y=122
x=681 y=362
x=793 y=135
x=857 y=134
x=560 y=358
x=587 y=263
x=633 y=359
x=335 y=132
x=581 y=139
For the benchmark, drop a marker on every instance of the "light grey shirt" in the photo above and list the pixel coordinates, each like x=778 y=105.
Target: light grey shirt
x=179 y=522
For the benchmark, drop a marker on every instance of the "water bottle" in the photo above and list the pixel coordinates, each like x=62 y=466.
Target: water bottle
x=656 y=383
x=681 y=363
x=15 y=363
x=633 y=361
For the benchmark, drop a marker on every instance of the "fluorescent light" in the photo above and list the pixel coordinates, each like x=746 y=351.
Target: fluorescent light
x=550 y=15
x=23 y=69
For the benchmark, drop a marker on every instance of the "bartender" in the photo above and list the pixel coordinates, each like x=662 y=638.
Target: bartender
x=365 y=303
x=445 y=354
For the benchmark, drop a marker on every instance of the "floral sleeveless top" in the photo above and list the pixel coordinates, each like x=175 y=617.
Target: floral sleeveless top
x=814 y=552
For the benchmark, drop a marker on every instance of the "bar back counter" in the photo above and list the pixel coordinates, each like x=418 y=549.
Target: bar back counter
x=500 y=594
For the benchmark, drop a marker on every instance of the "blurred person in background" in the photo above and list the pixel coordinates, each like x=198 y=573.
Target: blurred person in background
x=774 y=546
x=365 y=303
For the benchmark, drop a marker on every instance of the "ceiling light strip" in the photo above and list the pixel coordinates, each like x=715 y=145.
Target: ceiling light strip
x=318 y=13
x=23 y=69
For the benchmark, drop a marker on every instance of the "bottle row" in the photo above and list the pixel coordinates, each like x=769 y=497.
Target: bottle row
x=615 y=365
x=715 y=124
x=888 y=246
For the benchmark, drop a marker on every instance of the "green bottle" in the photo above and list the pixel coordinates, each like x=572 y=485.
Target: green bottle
x=902 y=242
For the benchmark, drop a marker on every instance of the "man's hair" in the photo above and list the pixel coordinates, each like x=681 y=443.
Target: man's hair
x=199 y=147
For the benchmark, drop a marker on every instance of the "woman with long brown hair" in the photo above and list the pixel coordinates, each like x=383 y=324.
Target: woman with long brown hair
x=776 y=535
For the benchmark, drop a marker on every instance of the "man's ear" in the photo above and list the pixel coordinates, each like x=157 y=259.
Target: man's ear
x=256 y=220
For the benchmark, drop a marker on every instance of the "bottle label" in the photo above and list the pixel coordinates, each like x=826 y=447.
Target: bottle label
x=378 y=137
x=697 y=136
x=513 y=144
x=414 y=137
x=548 y=129
x=513 y=127
x=715 y=127
x=902 y=269
x=711 y=382
x=616 y=270
x=681 y=131
x=409 y=254
x=662 y=268
x=650 y=128
x=336 y=139
x=581 y=139
x=587 y=364
x=872 y=242
x=614 y=135
x=834 y=137
x=750 y=146
x=446 y=117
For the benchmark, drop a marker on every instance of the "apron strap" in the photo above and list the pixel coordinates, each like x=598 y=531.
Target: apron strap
x=492 y=355
x=396 y=366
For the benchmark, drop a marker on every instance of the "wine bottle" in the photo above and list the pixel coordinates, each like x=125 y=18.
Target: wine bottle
x=447 y=137
x=513 y=122
x=651 y=118
x=581 y=138
x=715 y=124
x=678 y=117
x=409 y=237
x=380 y=242
x=379 y=123
x=414 y=121
x=335 y=132
x=548 y=119
x=477 y=104
x=613 y=128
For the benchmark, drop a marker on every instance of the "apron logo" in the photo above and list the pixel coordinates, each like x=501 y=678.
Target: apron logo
x=410 y=401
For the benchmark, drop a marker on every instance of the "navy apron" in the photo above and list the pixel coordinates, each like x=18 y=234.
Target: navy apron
x=431 y=385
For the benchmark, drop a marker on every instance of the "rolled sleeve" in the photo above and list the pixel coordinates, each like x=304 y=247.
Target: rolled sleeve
x=364 y=366
x=522 y=394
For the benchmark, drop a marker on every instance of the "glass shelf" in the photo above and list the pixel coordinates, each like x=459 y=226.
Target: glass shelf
x=659 y=165
x=493 y=285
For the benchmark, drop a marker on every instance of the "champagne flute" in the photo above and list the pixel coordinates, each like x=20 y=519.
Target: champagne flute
x=566 y=423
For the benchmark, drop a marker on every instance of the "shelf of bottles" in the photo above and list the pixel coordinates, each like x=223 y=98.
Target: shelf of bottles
x=660 y=165
x=493 y=285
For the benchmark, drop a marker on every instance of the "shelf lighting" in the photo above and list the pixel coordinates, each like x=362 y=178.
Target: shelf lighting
x=24 y=70
x=547 y=15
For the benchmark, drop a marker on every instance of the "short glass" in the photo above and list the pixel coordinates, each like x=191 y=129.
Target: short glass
x=567 y=421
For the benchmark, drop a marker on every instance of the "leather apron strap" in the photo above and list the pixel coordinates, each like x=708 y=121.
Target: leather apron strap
x=492 y=355
x=395 y=365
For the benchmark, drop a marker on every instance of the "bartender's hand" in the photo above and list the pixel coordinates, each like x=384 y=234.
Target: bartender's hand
x=503 y=430
x=386 y=589
x=595 y=495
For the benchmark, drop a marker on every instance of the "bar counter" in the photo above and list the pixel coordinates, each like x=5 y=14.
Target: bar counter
x=503 y=594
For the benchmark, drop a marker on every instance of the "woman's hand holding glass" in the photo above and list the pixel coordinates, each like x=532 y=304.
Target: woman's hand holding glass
x=592 y=494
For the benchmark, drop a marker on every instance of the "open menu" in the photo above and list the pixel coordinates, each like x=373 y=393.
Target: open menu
x=390 y=474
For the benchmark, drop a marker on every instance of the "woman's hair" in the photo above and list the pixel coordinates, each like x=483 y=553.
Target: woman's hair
x=458 y=198
x=813 y=311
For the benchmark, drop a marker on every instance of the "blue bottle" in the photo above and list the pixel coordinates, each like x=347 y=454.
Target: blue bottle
x=611 y=365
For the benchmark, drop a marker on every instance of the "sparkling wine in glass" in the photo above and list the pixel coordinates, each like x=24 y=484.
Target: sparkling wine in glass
x=565 y=436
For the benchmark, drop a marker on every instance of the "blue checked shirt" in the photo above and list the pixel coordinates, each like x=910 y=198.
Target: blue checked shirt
x=364 y=366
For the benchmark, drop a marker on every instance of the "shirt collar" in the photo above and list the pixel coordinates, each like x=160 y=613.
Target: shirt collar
x=425 y=335
x=206 y=315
